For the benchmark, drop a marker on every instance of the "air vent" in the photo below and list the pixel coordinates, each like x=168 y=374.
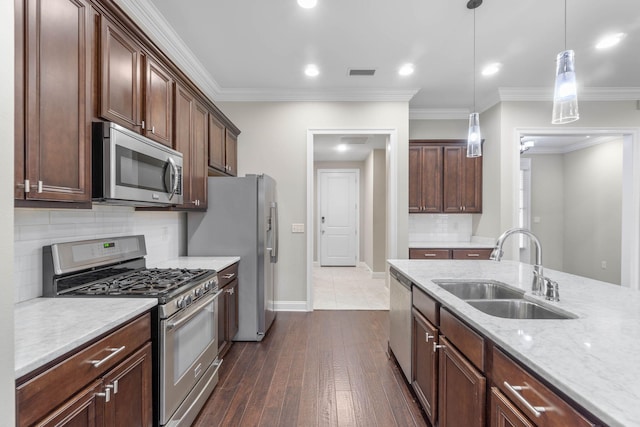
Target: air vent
x=361 y=72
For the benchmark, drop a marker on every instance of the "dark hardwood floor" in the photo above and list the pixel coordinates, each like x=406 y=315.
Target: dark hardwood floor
x=322 y=368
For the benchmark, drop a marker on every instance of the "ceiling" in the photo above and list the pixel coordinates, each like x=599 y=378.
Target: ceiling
x=560 y=144
x=257 y=50
x=346 y=148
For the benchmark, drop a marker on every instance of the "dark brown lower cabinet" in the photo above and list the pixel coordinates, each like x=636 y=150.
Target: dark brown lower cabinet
x=228 y=321
x=504 y=413
x=462 y=389
x=82 y=410
x=425 y=365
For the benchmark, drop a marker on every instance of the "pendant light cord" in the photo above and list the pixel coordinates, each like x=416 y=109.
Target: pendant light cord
x=474 y=59
x=565 y=24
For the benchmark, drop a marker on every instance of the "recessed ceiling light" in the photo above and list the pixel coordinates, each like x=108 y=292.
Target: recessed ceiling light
x=311 y=70
x=491 y=69
x=307 y=4
x=342 y=147
x=406 y=70
x=610 y=41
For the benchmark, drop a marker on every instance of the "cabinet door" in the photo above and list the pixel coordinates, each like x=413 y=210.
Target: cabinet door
x=183 y=134
x=198 y=154
x=216 y=144
x=130 y=402
x=57 y=116
x=504 y=413
x=82 y=410
x=432 y=179
x=453 y=173
x=120 y=85
x=462 y=389
x=425 y=365
x=415 y=179
x=159 y=103
x=471 y=191
x=231 y=153
x=232 y=310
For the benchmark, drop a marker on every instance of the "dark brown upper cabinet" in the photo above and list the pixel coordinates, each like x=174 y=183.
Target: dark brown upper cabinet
x=222 y=148
x=53 y=89
x=442 y=179
x=159 y=103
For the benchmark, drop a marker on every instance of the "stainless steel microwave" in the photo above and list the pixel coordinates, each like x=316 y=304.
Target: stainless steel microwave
x=130 y=169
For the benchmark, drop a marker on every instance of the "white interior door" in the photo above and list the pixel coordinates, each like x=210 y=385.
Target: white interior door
x=338 y=214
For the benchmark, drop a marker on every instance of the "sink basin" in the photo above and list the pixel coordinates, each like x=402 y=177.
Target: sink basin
x=517 y=309
x=479 y=289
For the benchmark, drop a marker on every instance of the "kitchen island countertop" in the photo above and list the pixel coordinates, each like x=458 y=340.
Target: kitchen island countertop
x=47 y=328
x=592 y=359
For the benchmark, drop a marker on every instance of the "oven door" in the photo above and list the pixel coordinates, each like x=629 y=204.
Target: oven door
x=188 y=348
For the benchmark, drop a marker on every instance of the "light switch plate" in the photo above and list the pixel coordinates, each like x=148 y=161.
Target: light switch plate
x=297 y=228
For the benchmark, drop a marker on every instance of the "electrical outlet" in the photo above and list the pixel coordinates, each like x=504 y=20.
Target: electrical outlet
x=297 y=228
x=603 y=264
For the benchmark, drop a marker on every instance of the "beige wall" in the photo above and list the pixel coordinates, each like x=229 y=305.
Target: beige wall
x=379 y=226
x=593 y=211
x=7 y=384
x=274 y=141
x=435 y=129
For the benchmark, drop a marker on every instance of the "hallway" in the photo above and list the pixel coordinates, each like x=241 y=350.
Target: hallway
x=348 y=288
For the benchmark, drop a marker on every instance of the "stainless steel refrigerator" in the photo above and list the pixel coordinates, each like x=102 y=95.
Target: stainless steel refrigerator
x=242 y=220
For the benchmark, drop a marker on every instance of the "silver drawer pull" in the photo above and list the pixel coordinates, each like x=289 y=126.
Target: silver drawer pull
x=228 y=276
x=114 y=351
x=430 y=255
x=106 y=394
x=473 y=255
x=514 y=389
x=436 y=346
x=427 y=337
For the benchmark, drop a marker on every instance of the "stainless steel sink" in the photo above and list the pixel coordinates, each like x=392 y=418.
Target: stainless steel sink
x=517 y=309
x=479 y=289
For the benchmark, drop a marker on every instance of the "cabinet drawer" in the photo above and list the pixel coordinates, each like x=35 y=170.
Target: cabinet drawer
x=46 y=391
x=426 y=305
x=471 y=253
x=227 y=275
x=464 y=338
x=520 y=387
x=429 y=254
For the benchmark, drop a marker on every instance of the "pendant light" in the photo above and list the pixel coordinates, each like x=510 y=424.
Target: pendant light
x=565 y=96
x=474 y=138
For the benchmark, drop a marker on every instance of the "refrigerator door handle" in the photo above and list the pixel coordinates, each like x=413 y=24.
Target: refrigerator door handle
x=274 y=232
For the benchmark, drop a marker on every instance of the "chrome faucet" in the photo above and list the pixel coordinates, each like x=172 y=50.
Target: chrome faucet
x=541 y=285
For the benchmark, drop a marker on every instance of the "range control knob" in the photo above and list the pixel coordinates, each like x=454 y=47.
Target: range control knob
x=180 y=303
x=199 y=292
x=207 y=285
x=188 y=300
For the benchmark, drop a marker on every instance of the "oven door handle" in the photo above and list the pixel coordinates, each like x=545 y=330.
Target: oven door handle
x=193 y=310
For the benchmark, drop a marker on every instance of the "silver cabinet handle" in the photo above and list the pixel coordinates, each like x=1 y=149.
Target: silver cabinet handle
x=473 y=255
x=427 y=337
x=39 y=186
x=436 y=346
x=230 y=291
x=514 y=389
x=142 y=124
x=106 y=394
x=114 y=351
x=228 y=276
x=153 y=129
x=429 y=255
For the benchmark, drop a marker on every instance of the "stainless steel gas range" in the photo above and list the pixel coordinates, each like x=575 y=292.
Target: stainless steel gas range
x=185 y=363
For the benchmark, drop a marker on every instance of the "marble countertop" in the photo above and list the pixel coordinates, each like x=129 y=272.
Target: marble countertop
x=47 y=328
x=215 y=263
x=593 y=359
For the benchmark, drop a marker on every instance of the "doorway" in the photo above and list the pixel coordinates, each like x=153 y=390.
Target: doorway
x=338 y=217
x=386 y=212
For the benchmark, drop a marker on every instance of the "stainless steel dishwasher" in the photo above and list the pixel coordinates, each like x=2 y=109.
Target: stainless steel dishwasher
x=400 y=320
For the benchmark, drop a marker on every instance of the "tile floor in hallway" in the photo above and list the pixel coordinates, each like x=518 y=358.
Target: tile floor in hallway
x=348 y=288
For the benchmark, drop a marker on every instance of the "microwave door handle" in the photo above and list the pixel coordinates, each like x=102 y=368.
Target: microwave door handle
x=175 y=177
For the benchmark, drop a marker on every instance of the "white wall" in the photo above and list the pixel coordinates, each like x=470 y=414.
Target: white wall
x=34 y=228
x=7 y=370
x=274 y=141
x=379 y=203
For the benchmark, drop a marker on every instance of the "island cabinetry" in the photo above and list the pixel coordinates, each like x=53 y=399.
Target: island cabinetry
x=228 y=321
x=529 y=398
x=442 y=179
x=222 y=148
x=107 y=383
x=52 y=102
x=448 y=253
x=504 y=413
x=447 y=364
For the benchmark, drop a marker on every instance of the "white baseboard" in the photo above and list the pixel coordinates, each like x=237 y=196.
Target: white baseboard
x=290 y=305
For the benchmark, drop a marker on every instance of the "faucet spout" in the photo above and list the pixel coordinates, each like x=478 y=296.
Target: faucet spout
x=538 y=285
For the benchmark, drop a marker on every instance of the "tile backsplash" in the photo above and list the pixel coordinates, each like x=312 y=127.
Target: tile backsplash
x=440 y=228
x=34 y=228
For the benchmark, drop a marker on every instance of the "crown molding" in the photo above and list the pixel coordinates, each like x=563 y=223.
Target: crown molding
x=155 y=25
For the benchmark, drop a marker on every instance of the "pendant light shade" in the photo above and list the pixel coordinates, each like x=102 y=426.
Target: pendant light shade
x=474 y=140
x=565 y=96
